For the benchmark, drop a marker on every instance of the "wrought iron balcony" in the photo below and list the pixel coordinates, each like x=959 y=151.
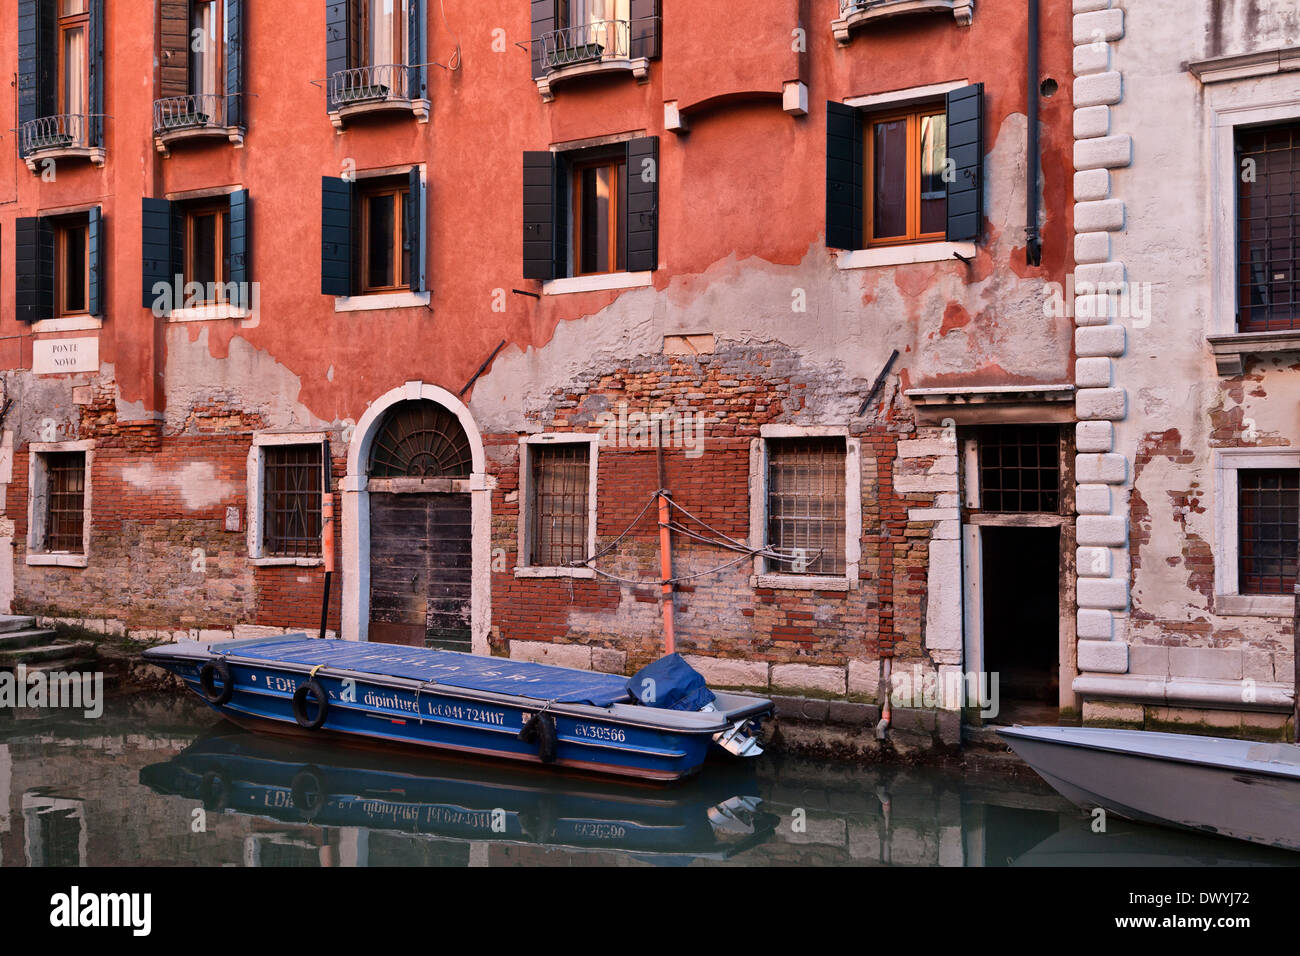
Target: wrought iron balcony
x=195 y=111
x=598 y=46
x=62 y=134
x=369 y=84
x=854 y=12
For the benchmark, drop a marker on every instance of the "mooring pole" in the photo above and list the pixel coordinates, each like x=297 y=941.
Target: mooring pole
x=665 y=545
x=1295 y=653
x=326 y=536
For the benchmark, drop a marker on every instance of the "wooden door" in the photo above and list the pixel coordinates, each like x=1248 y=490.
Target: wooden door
x=420 y=568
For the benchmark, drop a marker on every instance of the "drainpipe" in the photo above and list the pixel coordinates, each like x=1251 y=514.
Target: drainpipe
x=1033 y=242
x=886 y=709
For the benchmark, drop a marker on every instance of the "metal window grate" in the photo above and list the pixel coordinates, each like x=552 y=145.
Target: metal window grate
x=1268 y=524
x=560 y=477
x=65 y=518
x=1020 y=468
x=420 y=439
x=291 y=501
x=805 y=504
x=1268 y=228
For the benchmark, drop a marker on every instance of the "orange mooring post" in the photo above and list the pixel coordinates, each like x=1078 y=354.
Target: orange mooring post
x=665 y=546
x=326 y=542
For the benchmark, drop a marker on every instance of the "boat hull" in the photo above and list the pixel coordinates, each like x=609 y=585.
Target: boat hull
x=1210 y=789
x=372 y=710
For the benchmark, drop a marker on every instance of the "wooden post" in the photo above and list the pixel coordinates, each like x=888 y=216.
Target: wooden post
x=665 y=545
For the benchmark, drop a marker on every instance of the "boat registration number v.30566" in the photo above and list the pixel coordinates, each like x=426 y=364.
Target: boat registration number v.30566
x=601 y=732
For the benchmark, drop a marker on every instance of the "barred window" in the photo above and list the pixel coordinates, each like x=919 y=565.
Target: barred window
x=291 y=501
x=1268 y=227
x=1268 y=516
x=1020 y=468
x=805 y=504
x=559 y=476
x=65 y=516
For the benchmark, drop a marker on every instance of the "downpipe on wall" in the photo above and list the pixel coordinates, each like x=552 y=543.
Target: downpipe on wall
x=1033 y=241
x=886 y=709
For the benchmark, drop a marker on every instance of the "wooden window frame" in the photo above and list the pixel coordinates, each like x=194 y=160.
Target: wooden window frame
x=399 y=38
x=913 y=115
x=219 y=50
x=61 y=230
x=616 y=240
x=401 y=196
x=66 y=24
x=221 y=210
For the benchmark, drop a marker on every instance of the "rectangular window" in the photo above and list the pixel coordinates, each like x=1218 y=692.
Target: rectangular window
x=206 y=39
x=383 y=32
x=65 y=501
x=1268 y=228
x=906 y=193
x=1268 y=515
x=74 y=77
x=1020 y=468
x=806 y=504
x=599 y=197
x=207 y=249
x=291 y=501
x=560 y=485
x=383 y=246
x=71 y=267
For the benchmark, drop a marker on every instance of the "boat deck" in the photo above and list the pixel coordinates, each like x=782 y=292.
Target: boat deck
x=497 y=675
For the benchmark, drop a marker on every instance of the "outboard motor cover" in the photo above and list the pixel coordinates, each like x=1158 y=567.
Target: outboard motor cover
x=670 y=684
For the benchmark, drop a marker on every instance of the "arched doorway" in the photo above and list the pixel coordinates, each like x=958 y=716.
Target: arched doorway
x=416 y=518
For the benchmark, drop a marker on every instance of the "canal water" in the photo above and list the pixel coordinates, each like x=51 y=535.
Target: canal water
x=159 y=779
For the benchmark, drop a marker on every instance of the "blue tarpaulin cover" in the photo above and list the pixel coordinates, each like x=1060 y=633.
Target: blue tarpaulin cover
x=671 y=684
x=498 y=675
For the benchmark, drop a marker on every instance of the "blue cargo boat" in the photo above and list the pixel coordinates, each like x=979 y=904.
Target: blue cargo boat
x=716 y=815
x=425 y=698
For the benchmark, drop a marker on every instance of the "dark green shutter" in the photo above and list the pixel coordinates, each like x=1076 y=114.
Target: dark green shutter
x=338 y=21
x=416 y=217
x=965 y=108
x=94 y=260
x=33 y=269
x=156 y=249
x=540 y=230
x=241 y=245
x=234 y=63
x=336 y=236
x=174 y=30
x=843 y=176
x=645 y=20
x=642 y=221
x=544 y=22
x=28 y=56
x=95 y=56
x=417 y=79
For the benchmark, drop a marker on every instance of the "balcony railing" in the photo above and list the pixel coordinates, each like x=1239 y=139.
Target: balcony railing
x=195 y=111
x=384 y=82
x=61 y=131
x=586 y=43
x=854 y=12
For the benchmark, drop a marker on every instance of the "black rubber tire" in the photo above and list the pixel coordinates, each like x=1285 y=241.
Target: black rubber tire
x=541 y=729
x=214 y=790
x=300 y=705
x=219 y=669
x=308 y=792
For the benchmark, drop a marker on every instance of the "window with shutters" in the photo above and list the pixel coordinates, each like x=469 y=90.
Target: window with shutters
x=71 y=266
x=375 y=53
x=1268 y=228
x=201 y=80
x=60 y=80
x=207 y=243
x=599 y=197
x=906 y=194
x=558 y=505
x=58 y=512
x=57 y=267
x=573 y=38
x=382 y=252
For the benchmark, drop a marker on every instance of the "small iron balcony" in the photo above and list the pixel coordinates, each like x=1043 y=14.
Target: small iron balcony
x=363 y=89
x=62 y=135
x=598 y=46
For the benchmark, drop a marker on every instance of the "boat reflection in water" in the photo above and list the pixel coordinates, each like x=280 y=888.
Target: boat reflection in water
x=714 y=816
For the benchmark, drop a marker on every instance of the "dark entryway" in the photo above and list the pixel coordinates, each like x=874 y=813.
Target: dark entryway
x=421 y=559
x=1021 y=604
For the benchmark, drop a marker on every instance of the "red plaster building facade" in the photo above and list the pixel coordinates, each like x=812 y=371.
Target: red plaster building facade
x=459 y=261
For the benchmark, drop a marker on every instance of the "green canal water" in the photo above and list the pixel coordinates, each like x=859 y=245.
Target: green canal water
x=159 y=779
